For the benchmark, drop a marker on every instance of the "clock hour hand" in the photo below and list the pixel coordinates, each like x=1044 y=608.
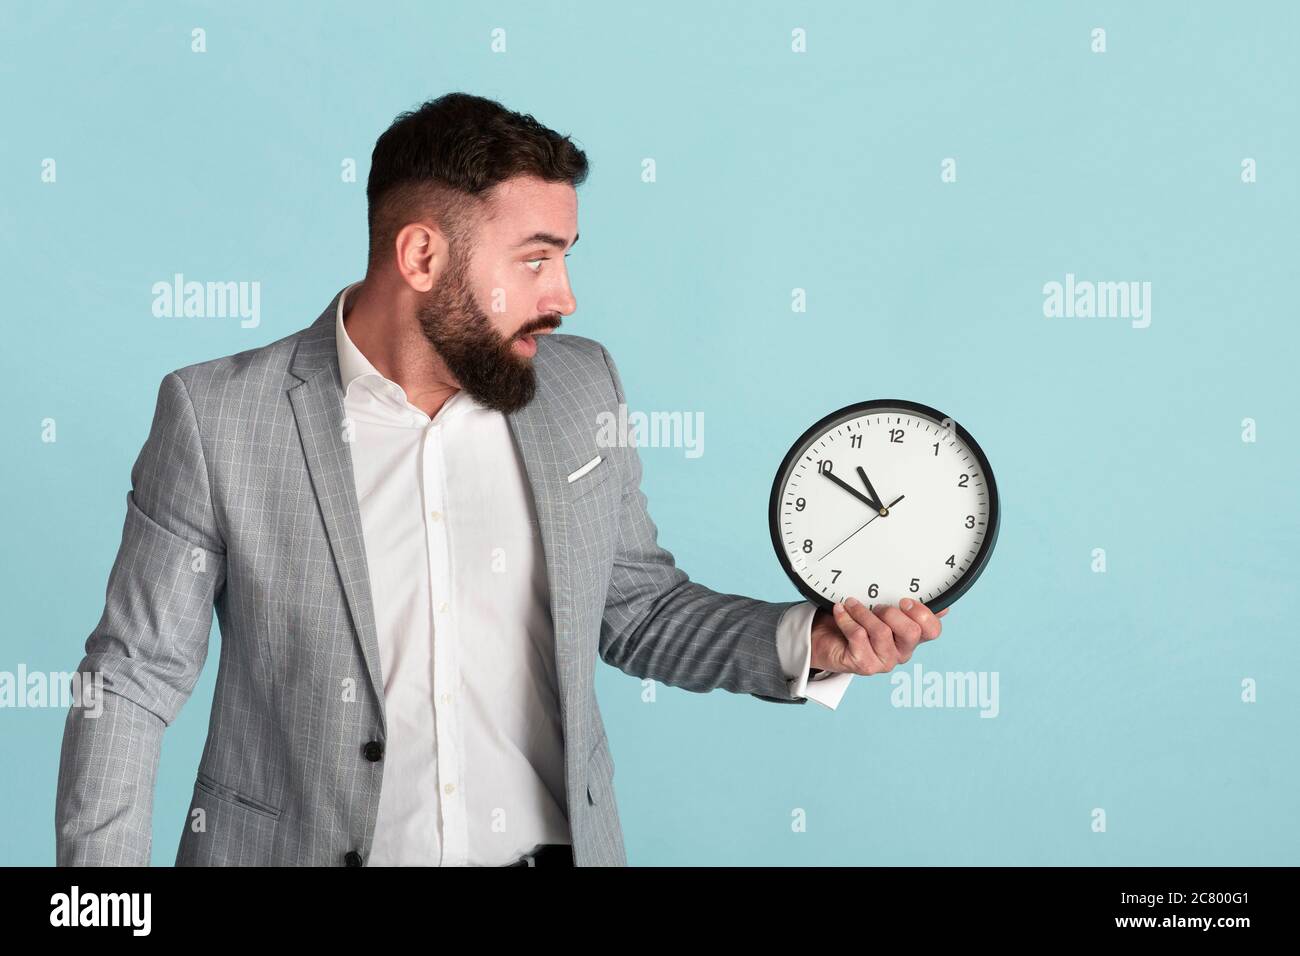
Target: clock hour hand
x=867 y=481
x=873 y=505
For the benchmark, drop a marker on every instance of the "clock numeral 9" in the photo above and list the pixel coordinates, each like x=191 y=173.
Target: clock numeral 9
x=800 y=504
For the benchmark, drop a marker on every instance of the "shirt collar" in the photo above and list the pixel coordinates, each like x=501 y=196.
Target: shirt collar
x=353 y=364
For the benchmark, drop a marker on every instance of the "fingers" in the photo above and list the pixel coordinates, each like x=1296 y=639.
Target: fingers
x=923 y=616
x=879 y=638
x=861 y=658
x=906 y=629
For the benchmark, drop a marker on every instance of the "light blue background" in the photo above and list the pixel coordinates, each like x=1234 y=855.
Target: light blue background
x=776 y=170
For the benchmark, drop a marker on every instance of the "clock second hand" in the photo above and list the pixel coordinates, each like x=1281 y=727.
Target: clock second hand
x=884 y=511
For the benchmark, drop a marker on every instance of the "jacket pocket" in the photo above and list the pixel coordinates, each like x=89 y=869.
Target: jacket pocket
x=600 y=773
x=590 y=479
x=231 y=795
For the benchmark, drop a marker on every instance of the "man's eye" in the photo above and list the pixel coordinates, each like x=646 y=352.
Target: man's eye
x=538 y=267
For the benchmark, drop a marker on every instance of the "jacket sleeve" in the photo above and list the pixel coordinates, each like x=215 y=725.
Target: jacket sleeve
x=660 y=624
x=147 y=649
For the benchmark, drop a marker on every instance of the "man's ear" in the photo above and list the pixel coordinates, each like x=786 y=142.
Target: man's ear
x=422 y=255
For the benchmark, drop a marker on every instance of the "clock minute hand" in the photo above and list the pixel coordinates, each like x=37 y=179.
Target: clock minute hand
x=873 y=505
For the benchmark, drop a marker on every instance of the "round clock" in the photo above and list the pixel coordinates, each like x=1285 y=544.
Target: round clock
x=884 y=500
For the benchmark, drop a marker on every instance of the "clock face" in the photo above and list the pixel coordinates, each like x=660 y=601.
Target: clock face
x=881 y=501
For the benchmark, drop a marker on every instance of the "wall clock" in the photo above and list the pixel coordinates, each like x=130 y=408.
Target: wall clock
x=884 y=500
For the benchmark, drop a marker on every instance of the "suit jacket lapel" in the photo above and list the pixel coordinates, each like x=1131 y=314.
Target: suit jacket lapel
x=317 y=402
x=318 y=406
x=537 y=438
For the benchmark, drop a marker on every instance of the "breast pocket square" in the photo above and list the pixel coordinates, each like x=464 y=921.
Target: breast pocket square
x=585 y=468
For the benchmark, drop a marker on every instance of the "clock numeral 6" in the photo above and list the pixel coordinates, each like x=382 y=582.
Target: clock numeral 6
x=873 y=591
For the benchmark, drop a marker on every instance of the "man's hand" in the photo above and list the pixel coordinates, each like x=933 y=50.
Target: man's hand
x=856 y=640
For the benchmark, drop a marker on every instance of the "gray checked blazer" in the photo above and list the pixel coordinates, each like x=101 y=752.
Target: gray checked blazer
x=243 y=499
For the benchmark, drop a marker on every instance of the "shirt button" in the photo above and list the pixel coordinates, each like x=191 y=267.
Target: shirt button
x=449 y=788
x=442 y=608
x=446 y=698
x=435 y=515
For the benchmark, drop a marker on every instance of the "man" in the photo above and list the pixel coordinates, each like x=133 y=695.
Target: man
x=416 y=550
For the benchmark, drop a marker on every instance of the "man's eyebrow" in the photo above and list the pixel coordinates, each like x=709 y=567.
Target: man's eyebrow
x=549 y=238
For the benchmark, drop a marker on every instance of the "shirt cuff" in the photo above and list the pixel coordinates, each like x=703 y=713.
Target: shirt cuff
x=794 y=647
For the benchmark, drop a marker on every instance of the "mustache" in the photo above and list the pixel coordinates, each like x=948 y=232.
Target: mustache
x=536 y=325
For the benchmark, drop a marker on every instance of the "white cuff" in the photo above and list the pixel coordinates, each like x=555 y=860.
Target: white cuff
x=794 y=647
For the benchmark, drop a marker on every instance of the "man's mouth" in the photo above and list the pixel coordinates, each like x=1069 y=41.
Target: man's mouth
x=527 y=344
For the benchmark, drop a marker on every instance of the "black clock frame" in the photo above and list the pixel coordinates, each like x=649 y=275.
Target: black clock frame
x=972 y=573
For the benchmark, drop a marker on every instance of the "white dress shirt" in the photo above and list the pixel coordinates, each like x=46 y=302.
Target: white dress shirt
x=474 y=758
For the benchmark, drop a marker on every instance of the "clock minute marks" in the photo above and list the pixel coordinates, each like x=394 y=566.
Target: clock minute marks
x=897 y=431
x=926 y=550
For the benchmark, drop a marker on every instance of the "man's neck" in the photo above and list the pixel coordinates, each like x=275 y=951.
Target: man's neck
x=389 y=336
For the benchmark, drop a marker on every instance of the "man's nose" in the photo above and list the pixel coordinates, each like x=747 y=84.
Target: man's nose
x=561 y=302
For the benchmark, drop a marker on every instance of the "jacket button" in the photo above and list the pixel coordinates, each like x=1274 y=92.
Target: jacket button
x=373 y=750
x=352 y=858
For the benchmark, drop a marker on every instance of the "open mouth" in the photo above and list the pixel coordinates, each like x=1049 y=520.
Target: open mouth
x=527 y=343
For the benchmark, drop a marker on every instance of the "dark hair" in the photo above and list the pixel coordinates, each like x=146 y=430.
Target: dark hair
x=441 y=160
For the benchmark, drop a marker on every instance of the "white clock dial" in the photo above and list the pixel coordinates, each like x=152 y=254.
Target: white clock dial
x=883 y=504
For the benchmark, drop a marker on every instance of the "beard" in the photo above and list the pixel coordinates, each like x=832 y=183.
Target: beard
x=481 y=358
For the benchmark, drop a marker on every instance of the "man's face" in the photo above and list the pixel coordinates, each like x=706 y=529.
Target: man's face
x=515 y=267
